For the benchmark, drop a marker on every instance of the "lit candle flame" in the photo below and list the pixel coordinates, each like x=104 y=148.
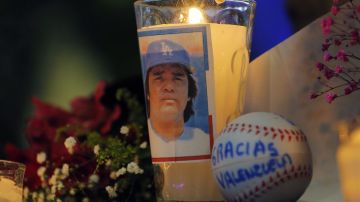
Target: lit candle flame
x=195 y=16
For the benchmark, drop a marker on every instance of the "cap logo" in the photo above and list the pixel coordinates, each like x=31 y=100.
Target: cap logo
x=165 y=49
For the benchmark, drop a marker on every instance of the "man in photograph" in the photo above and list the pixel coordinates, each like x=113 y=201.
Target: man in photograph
x=170 y=93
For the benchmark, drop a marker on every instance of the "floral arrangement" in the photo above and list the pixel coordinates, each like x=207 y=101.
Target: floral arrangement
x=97 y=151
x=340 y=69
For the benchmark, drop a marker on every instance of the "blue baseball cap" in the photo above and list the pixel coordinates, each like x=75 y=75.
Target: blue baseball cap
x=166 y=51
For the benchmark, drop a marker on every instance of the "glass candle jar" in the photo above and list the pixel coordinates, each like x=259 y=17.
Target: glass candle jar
x=194 y=57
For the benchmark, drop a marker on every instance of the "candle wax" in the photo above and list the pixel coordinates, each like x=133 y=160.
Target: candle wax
x=9 y=192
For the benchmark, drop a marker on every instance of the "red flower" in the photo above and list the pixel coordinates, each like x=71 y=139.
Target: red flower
x=54 y=116
x=38 y=131
x=89 y=113
x=92 y=114
x=13 y=153
x=41 y=128
x=31 y=179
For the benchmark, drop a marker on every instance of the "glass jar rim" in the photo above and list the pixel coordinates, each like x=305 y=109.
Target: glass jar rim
x=7 y=164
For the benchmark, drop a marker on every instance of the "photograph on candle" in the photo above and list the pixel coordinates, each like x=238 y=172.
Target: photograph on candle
x=174 y=64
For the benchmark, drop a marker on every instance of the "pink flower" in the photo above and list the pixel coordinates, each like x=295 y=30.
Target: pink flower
x=354 y=37
x=358 y=9
x=347 y=90
x=329 y=73
x=325 y=46
x=335 y=10
x=326 y=24
x=330 y=96
x=337 y=42
x=338 y=69
x=342 y=56
x=320 y=66
x=353 y=86
x=341 y=40
x=327 y=57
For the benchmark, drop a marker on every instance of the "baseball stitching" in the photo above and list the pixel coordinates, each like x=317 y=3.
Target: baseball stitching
x=273 y=181
x=281 y=133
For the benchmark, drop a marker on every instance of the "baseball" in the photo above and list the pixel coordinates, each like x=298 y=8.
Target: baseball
x=261 y=156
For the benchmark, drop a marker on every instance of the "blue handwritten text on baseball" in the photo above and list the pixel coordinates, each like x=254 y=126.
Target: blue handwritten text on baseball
x=230 y=150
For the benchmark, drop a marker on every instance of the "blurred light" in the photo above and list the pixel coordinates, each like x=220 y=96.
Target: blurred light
x=195 y=16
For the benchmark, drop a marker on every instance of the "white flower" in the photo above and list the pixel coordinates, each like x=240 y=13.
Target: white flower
x=94 y=178
x=113 y=175
x=72 y=191
x=96 y=149
x=139 y=171
x=124 y=130
x=134 y=168
x=58 y=200
x=131 y=167
x=57 y=172
x=52 y=180
x=41 y=157
x=41 y=197
x=50 y=197
x=60 y=186
x=41 y=172
x=34 y=195
x=111 y=192
x=53 y=189
x=54 y=177
x=26 y=193
x=121 y=171
x=82 y=185
x=108 y=163
x=143 y=145
x=69 y=144
x=65 y=170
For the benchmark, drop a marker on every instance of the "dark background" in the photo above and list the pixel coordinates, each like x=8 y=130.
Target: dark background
x=57 y=50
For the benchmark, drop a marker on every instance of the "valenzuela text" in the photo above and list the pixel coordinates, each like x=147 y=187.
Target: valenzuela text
x=229 y=151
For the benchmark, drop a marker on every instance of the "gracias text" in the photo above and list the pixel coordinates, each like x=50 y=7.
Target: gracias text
x=230 y=152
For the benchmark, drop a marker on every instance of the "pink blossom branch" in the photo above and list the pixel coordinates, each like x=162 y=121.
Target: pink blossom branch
x=331 y=88
x=353 y=56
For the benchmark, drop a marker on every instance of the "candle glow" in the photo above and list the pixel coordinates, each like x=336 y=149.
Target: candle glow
x=195 y=16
